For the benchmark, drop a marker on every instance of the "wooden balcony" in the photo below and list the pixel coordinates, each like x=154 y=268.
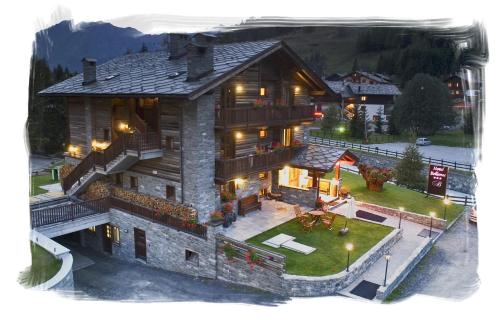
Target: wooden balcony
x=262 y=116
x=228 y=169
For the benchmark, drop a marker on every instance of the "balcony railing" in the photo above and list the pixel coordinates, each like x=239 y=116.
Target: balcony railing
x=228 y=169
x=262 y=116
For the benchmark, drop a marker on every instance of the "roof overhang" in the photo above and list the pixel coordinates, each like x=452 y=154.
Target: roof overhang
x=322 y=158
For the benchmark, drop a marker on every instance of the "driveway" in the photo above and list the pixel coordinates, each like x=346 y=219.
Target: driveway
x=111 y=279
x=450 y=268
x=449 y=153
x=39 y=163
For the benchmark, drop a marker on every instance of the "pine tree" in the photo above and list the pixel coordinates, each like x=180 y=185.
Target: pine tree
x=330 y=120
x=409 y=169
x=357 y=123
x=378 y=122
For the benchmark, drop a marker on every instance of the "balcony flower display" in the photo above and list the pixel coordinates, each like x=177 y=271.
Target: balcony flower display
x=375 y=177
x=216 y=217
x=227 y=208
x=252 y=258
x=296 y=143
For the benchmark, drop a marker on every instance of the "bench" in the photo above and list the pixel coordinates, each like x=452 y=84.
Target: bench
x=248 y=203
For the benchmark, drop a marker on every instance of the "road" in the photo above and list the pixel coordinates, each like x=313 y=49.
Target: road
x=112 y=279
x=449 y=153
x=450 y=268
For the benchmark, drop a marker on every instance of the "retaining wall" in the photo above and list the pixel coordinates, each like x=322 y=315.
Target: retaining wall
x=412 y=217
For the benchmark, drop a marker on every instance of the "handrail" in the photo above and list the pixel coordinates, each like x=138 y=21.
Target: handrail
x=124 y=142
x=51 y=215
x=138 y=123
x=226 y=169
x=250 y=116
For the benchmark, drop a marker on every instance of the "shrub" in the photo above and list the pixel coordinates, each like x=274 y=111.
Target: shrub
x=229 y=251
x=376 y=175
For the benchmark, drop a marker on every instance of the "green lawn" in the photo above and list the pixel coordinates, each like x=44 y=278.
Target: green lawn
x=331 y=255
x=43 y=267
x=455 y=138
x=394 y=197
x=40 y=180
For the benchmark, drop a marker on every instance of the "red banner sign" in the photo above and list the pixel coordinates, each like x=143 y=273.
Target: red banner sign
x=436 y=182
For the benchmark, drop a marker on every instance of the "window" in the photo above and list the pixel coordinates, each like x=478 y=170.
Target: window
x=119 y=179
x=286 y=137
x=376 y=118
x=107 y=136
x=457 y=92
x=363 y=98
x=133 y=183
x=449 y=84
x=116 y=235
x=263 y=175
x=169 y=143
x=170 y=193
x=191 y=257
x=262 y=133
x=262 y=91
x=91 y=229
x=109 y=233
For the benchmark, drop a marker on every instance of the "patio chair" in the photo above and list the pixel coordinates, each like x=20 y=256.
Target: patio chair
x=328 y=221
x=299 y=215
x=308 y=225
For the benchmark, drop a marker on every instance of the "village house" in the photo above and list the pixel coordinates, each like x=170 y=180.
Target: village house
x=372 y=92
x=183 y=129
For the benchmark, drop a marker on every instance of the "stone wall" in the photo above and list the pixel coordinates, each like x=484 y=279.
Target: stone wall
x=267 y=276
x=165 y=247
x=198 y=155
x=457 y=180
x=402 y=272
x=412 y=217
x=305 y=286
x=152 y=185
x=297 y=196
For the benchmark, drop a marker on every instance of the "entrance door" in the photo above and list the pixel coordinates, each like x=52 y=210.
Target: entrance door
x=140 y=243
x=107 y=238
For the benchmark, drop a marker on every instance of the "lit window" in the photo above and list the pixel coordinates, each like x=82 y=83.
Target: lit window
x=238 y=182
x=457 y=92
x=457 y=84
x=109 y=233
x=239 y=88
x=262 y=133
x=363 y=98
x=262 y=91
x=449 y=84
x=116 y=235
x=91 y=229
x=263 y=175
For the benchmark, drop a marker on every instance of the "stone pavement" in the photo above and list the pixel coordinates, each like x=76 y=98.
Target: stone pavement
x=273 y=213
x=399 y=252
x=46 y=196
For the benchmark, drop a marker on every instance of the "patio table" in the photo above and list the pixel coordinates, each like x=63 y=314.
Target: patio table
x=316 y=214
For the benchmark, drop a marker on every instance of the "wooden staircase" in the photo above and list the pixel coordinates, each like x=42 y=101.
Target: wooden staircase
x=117 y=157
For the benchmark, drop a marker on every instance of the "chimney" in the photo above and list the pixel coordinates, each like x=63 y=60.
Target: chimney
x=200 y=56
x=89 y=70
x=177 y=45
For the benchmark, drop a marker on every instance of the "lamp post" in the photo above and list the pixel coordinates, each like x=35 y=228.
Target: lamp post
x=349 y=248
x=432 y=214
x=401 y=209
x=446 y=202
x=387 y=258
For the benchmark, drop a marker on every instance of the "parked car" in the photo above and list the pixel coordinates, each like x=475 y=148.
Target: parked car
x=422 y=141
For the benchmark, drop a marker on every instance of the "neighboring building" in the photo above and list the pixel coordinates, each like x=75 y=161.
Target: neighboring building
x=360 y=77
x=179 y=130
x=377 y=98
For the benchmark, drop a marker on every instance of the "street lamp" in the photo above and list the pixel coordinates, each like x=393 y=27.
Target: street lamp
x=401 y=209
x=446 y=202
x=387 y=258
x=349 y=248
x=432 y=214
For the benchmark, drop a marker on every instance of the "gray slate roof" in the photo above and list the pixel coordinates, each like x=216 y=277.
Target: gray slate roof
x=320 y=158
x=347 y=89
x=148 y=73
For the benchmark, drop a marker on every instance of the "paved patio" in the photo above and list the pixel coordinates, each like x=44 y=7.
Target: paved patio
x=273 y=213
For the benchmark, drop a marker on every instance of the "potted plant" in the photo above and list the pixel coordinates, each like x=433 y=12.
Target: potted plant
x=229 y=251
x=227 y=196
x=228 y=208
x=216 y=218
x=374 y=176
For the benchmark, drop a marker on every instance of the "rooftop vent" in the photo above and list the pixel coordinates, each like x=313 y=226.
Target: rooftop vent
x=175 y=74
x=177 y=45
x=200 y=56
x=112 y=76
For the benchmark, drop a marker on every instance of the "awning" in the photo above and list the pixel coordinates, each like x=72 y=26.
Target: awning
x=322 y=158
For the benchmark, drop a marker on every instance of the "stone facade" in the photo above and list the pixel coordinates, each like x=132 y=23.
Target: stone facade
x=198 y=155
x=297 y=196
x=152 y=185
x=165 y=247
